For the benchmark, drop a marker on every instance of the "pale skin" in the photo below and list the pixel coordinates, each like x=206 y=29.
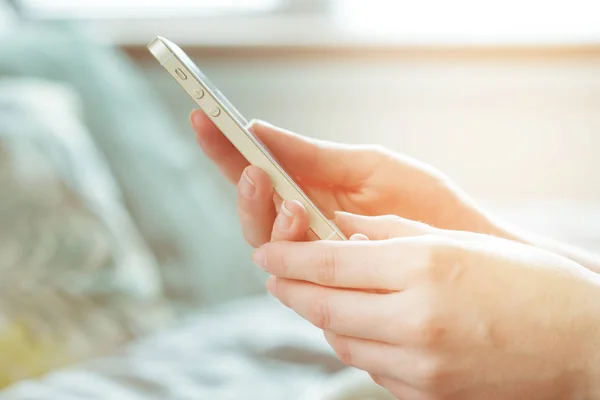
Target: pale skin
x=455 y=306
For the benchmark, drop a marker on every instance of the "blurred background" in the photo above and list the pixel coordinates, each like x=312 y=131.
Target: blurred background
x=508 y=89
x=100 y=169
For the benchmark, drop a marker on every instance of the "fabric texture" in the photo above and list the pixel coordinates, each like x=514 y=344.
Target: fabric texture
x=184 y=209
x=256 y=348
x=76 y=278
x=252 y=349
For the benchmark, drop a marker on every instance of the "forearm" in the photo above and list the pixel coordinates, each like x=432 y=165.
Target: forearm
x=589 y=260
x=590 y=369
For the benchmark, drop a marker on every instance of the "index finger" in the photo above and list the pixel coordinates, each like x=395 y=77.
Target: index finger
x=387 y=264
x=217 y=147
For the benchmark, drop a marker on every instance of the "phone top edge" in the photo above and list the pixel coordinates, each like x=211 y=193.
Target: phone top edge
x=159 y=47
x=163 y=50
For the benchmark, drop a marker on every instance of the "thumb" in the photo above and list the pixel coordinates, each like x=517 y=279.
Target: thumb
x=380 y=227
x=319 y=160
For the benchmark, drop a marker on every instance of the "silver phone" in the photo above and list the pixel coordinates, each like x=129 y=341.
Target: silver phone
x=234 y=127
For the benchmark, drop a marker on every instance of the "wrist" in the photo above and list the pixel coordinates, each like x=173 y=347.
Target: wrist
x=595 y=350
x=584 y=258
x=591 y=383
x=586 y=384
x=584 y=380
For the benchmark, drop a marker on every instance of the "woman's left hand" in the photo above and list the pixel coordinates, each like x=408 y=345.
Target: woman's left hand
x=435 y=314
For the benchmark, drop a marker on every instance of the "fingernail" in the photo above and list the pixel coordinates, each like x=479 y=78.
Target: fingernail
x=271 y=285
x=259 y=259
x=252 y=123
x=285 y=217
x=359 y=236
x=255 y=121
x=247 y=186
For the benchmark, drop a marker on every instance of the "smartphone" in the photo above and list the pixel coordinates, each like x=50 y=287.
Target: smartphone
x=235 y=127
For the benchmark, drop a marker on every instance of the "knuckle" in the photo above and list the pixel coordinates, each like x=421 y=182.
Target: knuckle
x=253 y=241
x=377 y=379
x=432 y=375
x=251 y=229
x=320 y=313
x=279 y=262
x=391 y=218
x=429 y=329
x=379 y=157
x=445 y=262
x=377 y=151
x=431 y=333
x=328 y=267
x=276 y=260
x=391 y=223
x=343 y=350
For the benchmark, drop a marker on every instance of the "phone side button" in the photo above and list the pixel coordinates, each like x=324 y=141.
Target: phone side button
x=198 y=93
x=214 y=111
x=181 y=74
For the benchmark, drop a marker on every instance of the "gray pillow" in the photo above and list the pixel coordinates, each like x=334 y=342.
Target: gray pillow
x=185 y=211
x=76 y=278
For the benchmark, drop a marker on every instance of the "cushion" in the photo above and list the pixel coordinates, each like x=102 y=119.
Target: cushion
x=76 y=279
x=183 y=208
x=250 y=349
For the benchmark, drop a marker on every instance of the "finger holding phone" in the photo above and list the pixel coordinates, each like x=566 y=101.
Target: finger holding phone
x=458 y=305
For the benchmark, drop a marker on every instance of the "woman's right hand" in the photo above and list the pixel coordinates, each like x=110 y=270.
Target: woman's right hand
x=366 y=180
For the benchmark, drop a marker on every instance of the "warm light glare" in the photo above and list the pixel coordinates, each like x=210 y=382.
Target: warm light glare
x=473 y=20
x=143 y=8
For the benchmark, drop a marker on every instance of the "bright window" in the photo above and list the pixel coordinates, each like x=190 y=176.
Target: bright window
x=143 y=8
x=397 y=22
x=473 y=21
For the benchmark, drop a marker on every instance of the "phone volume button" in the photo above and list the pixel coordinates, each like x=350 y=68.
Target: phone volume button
x=214 y=111
x=198 y=93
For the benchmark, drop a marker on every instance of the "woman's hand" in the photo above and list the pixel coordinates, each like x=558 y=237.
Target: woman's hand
x=367 y=180
x=435 y=314
x=363 y=180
